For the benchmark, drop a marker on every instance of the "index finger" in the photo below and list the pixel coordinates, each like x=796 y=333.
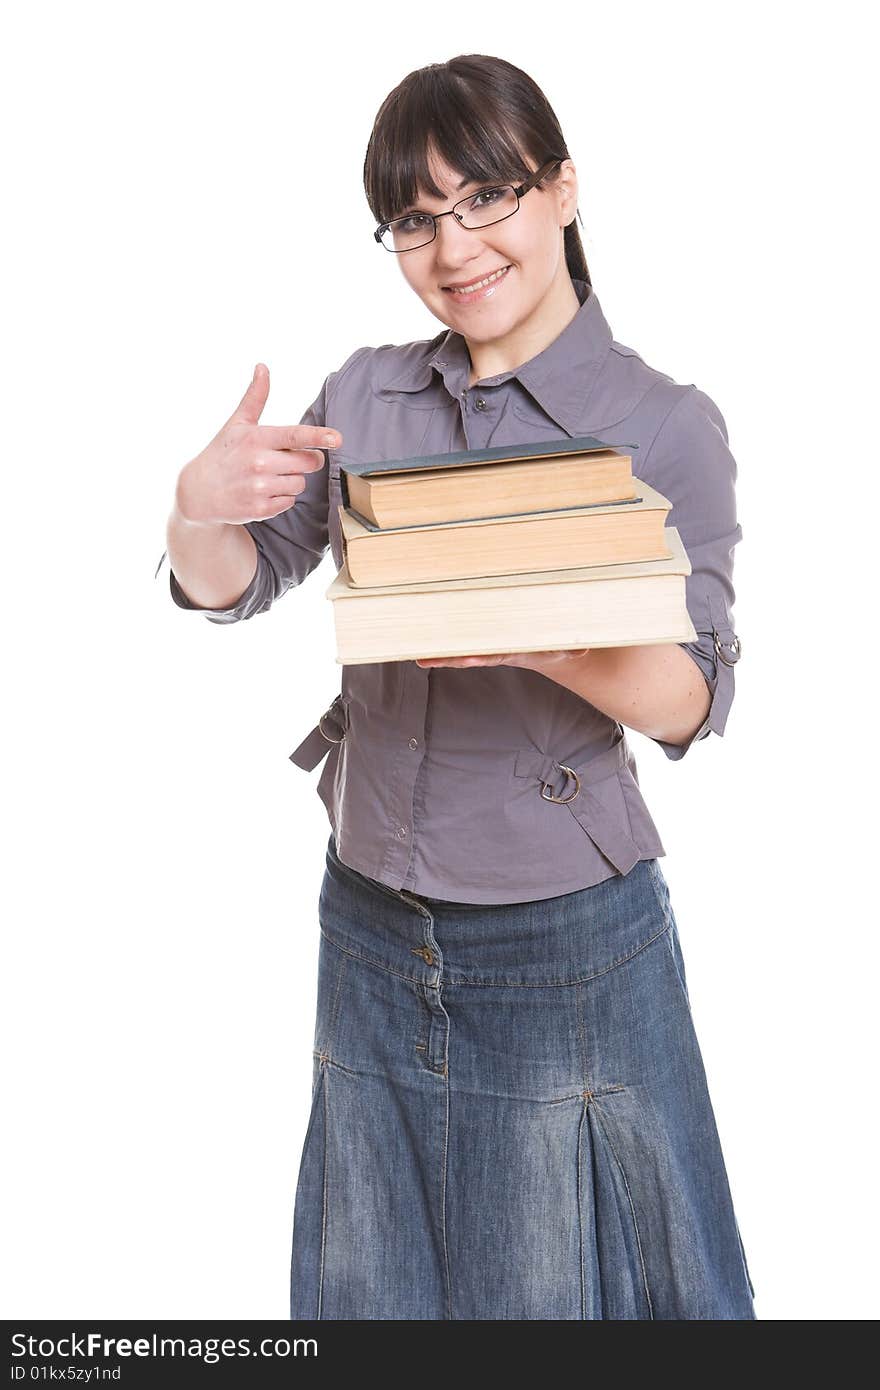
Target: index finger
x=299 y=437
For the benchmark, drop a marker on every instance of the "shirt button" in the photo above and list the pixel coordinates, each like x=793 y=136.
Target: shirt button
x=464 y=395
x=413 y=743
x=480 y=403
x=401 y=834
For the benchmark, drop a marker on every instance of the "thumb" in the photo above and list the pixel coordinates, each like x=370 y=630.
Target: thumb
x=252 y=403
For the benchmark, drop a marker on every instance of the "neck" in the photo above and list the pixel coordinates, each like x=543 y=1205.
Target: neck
x=552 y=316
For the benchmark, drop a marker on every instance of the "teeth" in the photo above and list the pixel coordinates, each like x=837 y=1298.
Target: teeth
x=471 y=289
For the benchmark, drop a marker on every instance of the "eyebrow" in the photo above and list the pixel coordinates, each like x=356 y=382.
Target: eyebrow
x=464 y=183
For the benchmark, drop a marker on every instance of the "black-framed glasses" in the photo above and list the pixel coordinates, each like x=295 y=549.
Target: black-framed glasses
x=476 y=210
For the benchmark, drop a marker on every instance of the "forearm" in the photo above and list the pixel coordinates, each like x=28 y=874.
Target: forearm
x=656 y=690
x=213 y=564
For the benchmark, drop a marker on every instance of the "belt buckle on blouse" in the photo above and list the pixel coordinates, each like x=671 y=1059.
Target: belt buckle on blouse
x=562 y=800
x=330 y=713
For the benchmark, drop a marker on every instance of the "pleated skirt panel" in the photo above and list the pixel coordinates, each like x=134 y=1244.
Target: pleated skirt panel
x=509 y=1114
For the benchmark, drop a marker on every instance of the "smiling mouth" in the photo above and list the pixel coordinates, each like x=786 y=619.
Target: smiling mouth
x=465 y=290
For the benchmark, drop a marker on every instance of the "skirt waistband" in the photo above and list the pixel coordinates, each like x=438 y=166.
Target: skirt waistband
x=553 y=941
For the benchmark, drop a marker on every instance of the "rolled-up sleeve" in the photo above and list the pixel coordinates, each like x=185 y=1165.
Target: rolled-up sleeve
x=289 y=545
x=690 y=463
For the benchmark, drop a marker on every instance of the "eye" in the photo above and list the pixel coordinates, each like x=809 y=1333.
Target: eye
x=416 y=222
x=491 y=195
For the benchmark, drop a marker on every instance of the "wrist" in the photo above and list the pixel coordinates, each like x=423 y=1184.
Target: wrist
x=183 y=513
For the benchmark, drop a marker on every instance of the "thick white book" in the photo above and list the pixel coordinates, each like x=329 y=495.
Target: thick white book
x=641 y=602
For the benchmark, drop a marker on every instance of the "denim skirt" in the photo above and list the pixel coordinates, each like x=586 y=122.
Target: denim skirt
x=509 y=1114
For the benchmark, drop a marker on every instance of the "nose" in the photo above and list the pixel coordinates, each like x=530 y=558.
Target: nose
x=455 y=245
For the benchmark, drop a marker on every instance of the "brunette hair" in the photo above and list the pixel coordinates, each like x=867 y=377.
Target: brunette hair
x=483 y=116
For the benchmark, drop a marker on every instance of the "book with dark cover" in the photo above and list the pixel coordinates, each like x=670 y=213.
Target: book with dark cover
x=459 y=458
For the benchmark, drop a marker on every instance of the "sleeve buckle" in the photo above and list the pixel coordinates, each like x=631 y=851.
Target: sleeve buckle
x=735 y=648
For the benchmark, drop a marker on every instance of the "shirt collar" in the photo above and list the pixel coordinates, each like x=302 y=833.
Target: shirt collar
x=563 y=378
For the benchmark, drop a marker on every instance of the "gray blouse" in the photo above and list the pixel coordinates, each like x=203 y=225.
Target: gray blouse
x=449 y=781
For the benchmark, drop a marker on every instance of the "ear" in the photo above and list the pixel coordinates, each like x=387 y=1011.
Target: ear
x=566 y=186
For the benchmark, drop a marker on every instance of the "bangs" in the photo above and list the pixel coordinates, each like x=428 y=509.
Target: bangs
x=435 y=114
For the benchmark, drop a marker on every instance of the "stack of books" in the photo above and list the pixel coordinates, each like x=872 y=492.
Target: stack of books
x=543 y=547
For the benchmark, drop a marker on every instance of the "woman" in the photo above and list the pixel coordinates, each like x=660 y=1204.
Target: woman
x=509 y=1113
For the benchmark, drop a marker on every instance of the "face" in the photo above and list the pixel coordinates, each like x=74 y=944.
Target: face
x=536 y=287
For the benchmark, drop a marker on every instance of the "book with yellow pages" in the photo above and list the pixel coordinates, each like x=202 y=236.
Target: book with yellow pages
x=514 y=543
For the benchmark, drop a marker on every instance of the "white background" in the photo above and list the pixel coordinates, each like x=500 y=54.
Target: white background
x=166 y=168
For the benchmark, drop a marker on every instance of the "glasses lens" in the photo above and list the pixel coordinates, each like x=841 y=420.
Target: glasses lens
x=487 y=206
x=408 y=232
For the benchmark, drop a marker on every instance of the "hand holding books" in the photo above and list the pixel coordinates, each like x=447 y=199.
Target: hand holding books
x=523 y=659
